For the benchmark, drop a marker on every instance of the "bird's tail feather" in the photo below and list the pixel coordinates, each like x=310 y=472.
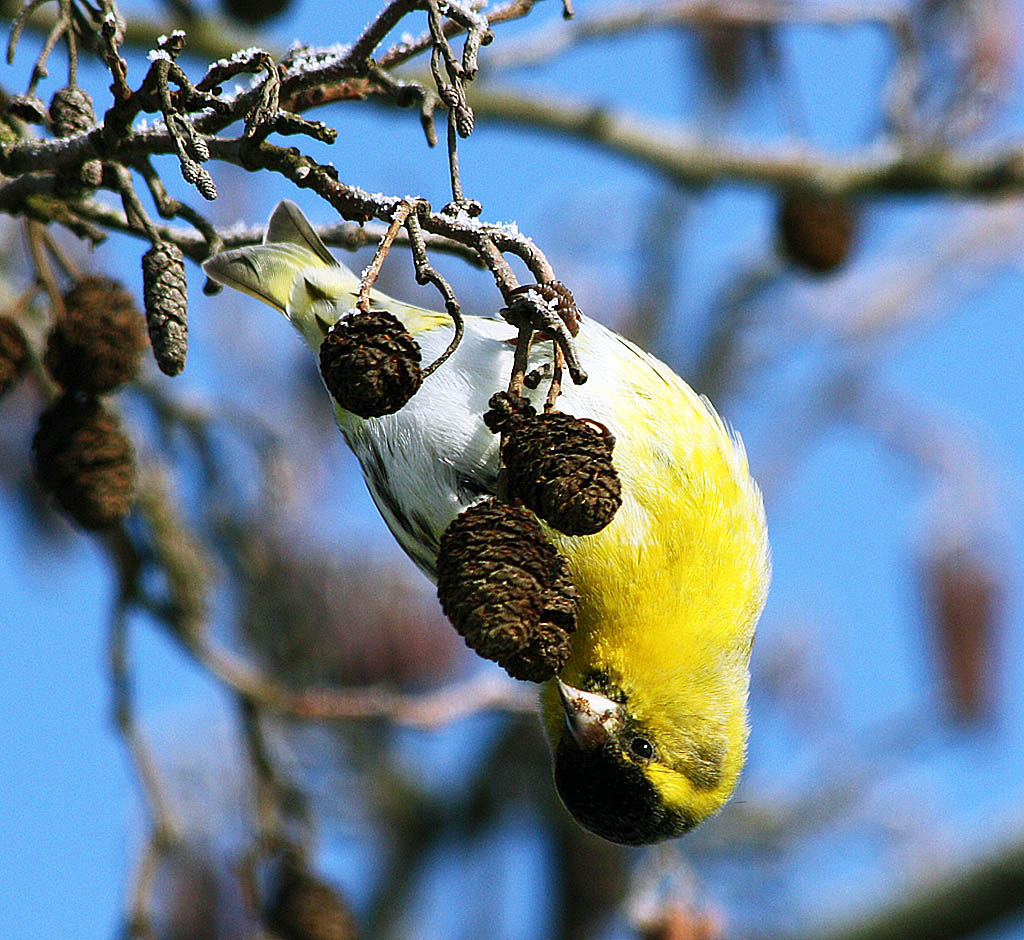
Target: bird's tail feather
x=291 y=271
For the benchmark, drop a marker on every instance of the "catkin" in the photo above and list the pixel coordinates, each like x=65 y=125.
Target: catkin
x=165 y=292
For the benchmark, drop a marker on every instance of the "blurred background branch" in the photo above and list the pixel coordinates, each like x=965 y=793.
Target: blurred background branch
x=977 y=897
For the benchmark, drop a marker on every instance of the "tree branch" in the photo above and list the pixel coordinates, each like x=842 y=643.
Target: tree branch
x=687 y=159
x=542 y=45
x=209 y=36
x=349 y=236
x=485 y=692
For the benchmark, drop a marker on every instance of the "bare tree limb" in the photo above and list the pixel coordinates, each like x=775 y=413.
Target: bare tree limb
x=209 y=35
x=349 y=236
x=686 y=158
x=542 y=45
x=485 y=692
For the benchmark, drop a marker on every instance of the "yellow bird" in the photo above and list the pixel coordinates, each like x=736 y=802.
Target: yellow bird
x=648 y=719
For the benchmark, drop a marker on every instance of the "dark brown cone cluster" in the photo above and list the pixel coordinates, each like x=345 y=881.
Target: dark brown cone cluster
x=305 y=908
x=96 y=344
x=165 y=294
x=83 y=459
x=370 y=363
x=13 y=353
x=816 y=229
x=557 y=465
x=507 y=590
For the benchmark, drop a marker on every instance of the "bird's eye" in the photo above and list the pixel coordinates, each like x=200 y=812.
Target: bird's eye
x=642 y=748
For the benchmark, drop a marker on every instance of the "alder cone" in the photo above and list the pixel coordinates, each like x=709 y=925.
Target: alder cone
x=85 y=461
x=816 y=229
x=28 y=108
x=96 y=344
x=71 y=111
x=305 y=908
x=370 y=363
x=507 y=590
x=557 y=465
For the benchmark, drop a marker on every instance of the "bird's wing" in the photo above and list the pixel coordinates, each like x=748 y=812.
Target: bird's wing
x=435 y=457
x=288 y=226
x=294 y=273
x=427 y=462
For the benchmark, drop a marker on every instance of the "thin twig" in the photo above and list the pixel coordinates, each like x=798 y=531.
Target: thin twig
x=165 y=823
x=453 y=160
x=61 y=27
x=401 y=213
x=165 y=828
x=281 y=811
x=115 y=62
x=520 y=360
x=687 y=158
x=139 y=922
x=347 y=235
x=500 y=14
x=501 y=271
x=22 y=301
x=21 y=19
x=486 y=692
x=555 y=388
x=425 y=273
x=58 y=254
x=44 y=272
x=406 y=94
x=72 y=45
x=169 y=208
x=133 y=210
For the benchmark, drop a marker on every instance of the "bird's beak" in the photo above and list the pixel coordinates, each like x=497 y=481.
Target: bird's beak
x=591 y=719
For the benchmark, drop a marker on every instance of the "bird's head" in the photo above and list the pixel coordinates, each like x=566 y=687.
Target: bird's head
x=629 y=775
